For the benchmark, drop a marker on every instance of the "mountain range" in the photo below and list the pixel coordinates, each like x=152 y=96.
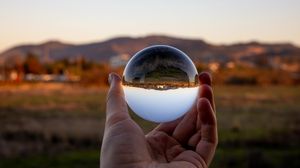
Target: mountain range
x=197 y=49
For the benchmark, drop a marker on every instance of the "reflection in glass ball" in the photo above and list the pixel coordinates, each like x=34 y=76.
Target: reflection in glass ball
x=160 y=83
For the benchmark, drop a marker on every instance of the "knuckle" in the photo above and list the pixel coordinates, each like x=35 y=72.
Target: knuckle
x=112 y=94
x=115 y=118
x=207 y=88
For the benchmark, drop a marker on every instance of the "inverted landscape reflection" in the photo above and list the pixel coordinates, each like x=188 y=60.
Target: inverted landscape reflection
x=160 y=83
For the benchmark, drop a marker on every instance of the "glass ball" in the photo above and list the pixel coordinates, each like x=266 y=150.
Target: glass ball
x=160 y=83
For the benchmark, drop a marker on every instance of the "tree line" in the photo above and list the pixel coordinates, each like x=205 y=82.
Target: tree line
x=91 y=72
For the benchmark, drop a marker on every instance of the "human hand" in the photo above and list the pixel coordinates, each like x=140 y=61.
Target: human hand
x=188 y=142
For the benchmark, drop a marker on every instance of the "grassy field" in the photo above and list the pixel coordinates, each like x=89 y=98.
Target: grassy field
x=61 y=126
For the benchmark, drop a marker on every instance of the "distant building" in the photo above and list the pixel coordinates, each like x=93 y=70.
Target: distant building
x=51 y=78
x=214 y=66
x=275 y=62
x=13 y=76
x=291 y=67
x=230 y=65
x=119 y=60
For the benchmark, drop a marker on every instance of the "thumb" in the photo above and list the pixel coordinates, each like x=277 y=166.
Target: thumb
x=116 y=108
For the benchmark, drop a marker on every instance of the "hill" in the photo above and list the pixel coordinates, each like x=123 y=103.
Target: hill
x=197 y=49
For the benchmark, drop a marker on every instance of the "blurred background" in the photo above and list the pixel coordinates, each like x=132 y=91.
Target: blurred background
x=55 y=57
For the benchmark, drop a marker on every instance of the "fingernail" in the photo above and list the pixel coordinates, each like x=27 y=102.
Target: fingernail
x=109 y=78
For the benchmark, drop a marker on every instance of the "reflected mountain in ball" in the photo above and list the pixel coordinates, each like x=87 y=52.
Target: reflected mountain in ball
x=160 y=83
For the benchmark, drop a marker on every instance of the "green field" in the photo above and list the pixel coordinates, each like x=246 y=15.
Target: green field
x=62 y=125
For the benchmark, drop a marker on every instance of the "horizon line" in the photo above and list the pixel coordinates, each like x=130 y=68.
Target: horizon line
x=150 y=35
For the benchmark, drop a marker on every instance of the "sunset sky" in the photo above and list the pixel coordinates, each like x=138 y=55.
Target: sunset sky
x=81 y=21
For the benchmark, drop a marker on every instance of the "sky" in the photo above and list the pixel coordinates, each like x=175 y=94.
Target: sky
x=86 y=21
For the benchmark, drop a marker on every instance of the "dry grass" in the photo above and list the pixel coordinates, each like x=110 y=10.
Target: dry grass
x=53 y=118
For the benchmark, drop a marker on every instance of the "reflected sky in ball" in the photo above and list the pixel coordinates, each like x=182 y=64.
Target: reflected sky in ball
x=160 y=105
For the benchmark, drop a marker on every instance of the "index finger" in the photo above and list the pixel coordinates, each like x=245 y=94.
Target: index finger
x=206 y=90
